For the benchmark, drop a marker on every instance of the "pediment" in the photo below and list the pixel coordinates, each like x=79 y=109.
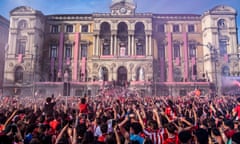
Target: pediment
x=23 y=10
x=122 y=8
x=223 y=9
x=123 y=3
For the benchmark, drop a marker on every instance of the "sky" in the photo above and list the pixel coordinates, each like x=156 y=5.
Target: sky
x=90 y=6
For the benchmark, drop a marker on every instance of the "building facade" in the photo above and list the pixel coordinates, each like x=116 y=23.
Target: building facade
x=158 y=54
x=4 y=27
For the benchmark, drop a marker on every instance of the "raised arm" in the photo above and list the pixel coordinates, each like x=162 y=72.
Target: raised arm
x=117 y=135
x=140 y=119
x=10 y=118
x=155 y=112
x=122 y=129
x=61 y=133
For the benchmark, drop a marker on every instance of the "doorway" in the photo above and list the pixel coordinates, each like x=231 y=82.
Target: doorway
x=121 y=75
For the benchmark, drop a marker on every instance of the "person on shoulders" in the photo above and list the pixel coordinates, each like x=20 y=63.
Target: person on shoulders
x=49 y=105
x=83 y=106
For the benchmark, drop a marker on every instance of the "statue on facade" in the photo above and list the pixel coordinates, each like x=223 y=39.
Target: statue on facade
x=100 y=74
x=141 y=74
x=66 y=76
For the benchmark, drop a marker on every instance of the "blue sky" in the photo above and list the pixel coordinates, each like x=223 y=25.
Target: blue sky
x=90 y=6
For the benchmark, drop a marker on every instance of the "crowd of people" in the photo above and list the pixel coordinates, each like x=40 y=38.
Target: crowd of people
x=117 y=119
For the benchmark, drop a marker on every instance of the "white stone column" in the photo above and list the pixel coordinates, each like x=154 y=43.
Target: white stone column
x=129 y=45
x=94 y=45
x=133 y=45
x=146 y=46
x=111 y=45
x=97 y=45
x=115 y=45
x=150 y=45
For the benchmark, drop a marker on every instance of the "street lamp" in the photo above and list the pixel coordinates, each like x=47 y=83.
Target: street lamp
x=214 y=60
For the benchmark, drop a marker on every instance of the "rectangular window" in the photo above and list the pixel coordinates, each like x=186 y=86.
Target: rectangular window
x=83 y=50
x=106 y=49
x=176 y=28
x=161 y=51
x=160 y=28
x=191 y=28
x=223 y=47
x=176 y=48
x=140 y=50
x=21 y=47
x=54 y=28
x=53 y=51
x=69 y=28
x=192 y=50
x=84 y=28
x=68 y=50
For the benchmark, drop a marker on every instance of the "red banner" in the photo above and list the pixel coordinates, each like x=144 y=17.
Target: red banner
x=83 y=69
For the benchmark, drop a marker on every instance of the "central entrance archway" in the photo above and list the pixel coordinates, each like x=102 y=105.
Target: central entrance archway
x=121 y=75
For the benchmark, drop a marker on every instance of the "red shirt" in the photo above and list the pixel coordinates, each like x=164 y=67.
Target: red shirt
x=83 y=108
x=1 y=128
x=53 y=124
x=173 y=140
x=237 y=110
x=230 y=133
x=169 y=112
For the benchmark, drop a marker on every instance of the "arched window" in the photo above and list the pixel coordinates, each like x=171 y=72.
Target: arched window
x=22 y=24
x=122 y=35
x=221 y=23
x=105 y=35
x=140 y=38
x=18 y=74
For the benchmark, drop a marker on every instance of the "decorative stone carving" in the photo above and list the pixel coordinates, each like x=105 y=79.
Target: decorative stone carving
x=141 y=74
x=95 y=66
x=10 y=64
x=100 y=74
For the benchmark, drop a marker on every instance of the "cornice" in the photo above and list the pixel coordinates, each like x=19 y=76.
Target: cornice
x=70 y=17
x=178 y=16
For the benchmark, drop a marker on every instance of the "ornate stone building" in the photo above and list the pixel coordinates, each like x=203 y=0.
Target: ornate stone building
x=159 y=54
x=4 y=27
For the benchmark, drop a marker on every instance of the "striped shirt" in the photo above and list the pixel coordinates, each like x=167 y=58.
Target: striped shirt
x=155 y=135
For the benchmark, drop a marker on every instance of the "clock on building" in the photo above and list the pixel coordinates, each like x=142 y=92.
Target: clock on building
x=123 y=10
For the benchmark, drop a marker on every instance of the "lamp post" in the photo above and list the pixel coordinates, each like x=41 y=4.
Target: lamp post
x=34 y=59
x=213 y=56
x=214 y=60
